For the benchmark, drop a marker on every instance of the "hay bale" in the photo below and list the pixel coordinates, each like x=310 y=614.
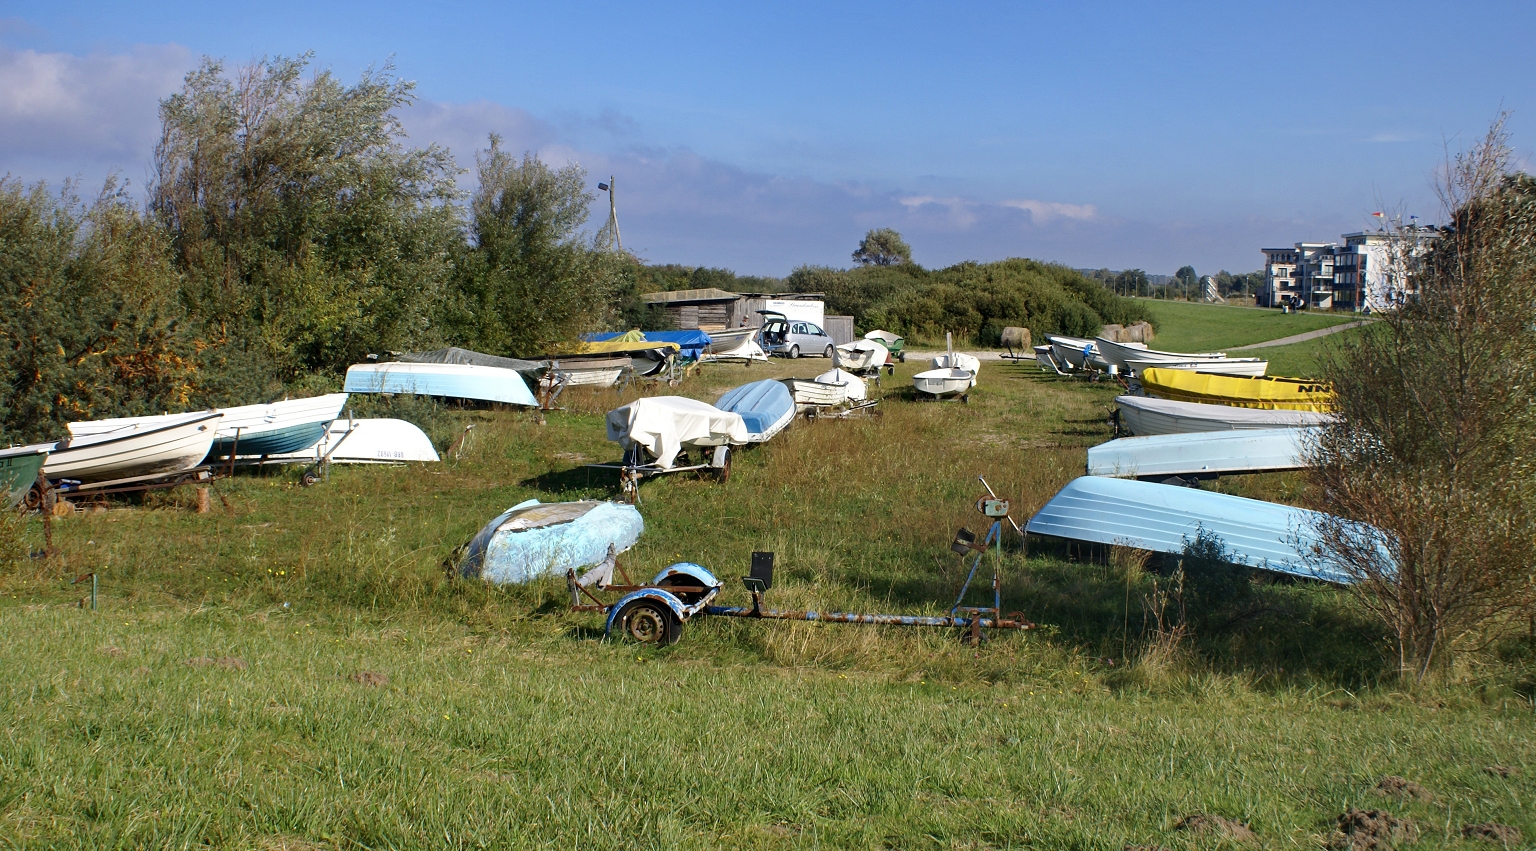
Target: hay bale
x=1112 y=333
x=1017 y=339
x=1141 y=332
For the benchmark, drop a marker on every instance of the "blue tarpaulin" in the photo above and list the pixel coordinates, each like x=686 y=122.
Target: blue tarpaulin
x=693 y=343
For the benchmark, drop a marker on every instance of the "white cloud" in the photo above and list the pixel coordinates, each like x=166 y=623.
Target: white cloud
x=62 y=114
x=1041 y=212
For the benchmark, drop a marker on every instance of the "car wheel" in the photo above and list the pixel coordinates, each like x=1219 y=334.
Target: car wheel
x=828 y=353
x=794 y=352
x=650 y=622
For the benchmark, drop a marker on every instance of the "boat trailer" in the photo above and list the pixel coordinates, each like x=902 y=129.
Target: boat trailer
x=655 y=612
x=715 y=460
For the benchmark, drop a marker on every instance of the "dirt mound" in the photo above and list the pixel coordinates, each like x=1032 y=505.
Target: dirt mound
x=1504 y=771
x=1408 y=790
x=1371 y=830
x=231 y=662
x=1493 y=833
x=1218 y=825
x=371 y=678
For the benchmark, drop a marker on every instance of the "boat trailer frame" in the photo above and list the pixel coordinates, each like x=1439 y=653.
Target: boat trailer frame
x=635 y=468
x=655 y=612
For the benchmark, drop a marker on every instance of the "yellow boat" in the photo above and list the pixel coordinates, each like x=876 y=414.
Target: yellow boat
x=1272 y=394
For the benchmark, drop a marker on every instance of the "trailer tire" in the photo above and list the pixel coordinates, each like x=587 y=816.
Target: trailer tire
x=723 y=472
x=650 y=622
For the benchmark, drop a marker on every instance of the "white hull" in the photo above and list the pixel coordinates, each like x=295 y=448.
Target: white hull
x=1119 y=354
x=721 y=342
x=1245 y=367
x=244 y=421
x=450 y=380
x=1202 y=453
x=959 y=360
x=162 y=448
x=862 y=355
x=1143 y=415
x=814 y=394
x=747 y=351
x=378 y=441
x=606 y=377
x=943 y=382
x=853 y=386
x=1071 y=351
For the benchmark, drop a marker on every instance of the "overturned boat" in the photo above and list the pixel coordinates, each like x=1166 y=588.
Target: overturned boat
x=1272 y=393
x=1166 y=518
x=446 y=380
x=1144 y=415
x=765 y=407
x=1202 y=454
x=533 y=539
x=291 y=425
x=367 y=441
x=590 y=372
x=175 y=445
x=895 y=345
x=1243 y=367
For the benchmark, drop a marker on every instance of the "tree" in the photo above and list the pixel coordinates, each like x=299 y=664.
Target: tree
x=1427 y=471
x=306 y=229
x=882 y=247
x=1189 y=281
x=1132 y=282
x=531 y=282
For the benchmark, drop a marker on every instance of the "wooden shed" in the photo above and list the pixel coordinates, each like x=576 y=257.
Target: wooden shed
x=707 y=309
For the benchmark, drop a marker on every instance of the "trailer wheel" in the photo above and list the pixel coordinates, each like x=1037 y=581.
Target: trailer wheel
x=308 y=479
x=723 y=472
x=650 y=622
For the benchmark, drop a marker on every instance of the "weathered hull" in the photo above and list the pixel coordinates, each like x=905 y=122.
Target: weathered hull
x=19 y=467
x=1146 y=416
x=143 y=451
x=1208 y=453
x=532 y=540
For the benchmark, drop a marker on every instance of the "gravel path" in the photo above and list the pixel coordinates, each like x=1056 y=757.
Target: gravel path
x=1302 y=338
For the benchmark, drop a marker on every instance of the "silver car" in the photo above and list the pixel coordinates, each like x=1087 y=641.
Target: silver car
x=792 y=337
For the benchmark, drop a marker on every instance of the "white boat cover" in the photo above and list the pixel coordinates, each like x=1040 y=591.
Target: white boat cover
x=664 y=425
x=1144 y=415
x=1200 y=453
x=854 y=386
x=862 y=354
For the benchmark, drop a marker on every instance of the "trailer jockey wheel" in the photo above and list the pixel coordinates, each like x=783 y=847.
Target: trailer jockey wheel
x=650 y=622
x=629 y=483
x=308 y=478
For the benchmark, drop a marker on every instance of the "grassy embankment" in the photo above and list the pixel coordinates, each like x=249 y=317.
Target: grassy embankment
x=214 y=698
x=1191 y=327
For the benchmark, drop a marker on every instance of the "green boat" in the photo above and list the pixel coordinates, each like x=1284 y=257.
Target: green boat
x=19 y=466
x=893 y=344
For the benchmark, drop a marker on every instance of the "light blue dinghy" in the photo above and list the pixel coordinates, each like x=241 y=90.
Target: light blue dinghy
x=534 y=539
x=449 y=380
x=1201 y=453
x=1163 y=518
x=765 y=406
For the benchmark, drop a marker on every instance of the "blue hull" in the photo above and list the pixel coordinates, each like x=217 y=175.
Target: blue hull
x=290 y=439
x=480 y=383
x=507 y=556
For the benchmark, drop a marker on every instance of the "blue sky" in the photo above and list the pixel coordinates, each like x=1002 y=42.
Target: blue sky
x=761 y=137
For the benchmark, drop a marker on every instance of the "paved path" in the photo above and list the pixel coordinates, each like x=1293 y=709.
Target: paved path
x=1302 y=338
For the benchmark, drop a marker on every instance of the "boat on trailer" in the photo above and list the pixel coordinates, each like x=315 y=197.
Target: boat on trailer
x=291 y=425
x=811 y=393
x=1120 y=354
x=854 y=388
x=947 y=381
x=19 y=466
x=137 y=450
x=766 y=408
x=1166 y=518
x=1202 y=454
x=862 y=356
x=1144 y=415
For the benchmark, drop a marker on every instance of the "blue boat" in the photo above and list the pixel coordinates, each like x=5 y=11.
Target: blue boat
x=765 y=406
x=1163 y=518
x=691 y=344
x=448 y=380
x=1207 y=453
x=533 y=539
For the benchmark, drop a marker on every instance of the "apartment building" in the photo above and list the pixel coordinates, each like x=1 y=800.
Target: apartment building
x=1358 y=275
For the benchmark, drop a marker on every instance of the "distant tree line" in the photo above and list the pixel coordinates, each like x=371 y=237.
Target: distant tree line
x=1184 y=284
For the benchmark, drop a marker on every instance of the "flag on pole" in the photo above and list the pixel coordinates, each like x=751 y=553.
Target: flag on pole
x=1379 y=215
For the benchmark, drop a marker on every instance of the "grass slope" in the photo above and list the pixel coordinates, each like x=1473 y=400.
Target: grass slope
x=1192 y=327
x=506 y=722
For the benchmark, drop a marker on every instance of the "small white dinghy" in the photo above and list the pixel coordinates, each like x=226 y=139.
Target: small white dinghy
x=134 y=450
x=1245 y=367
x=862 y=355
x=811 y=393
x=854 y=389
x=1144 y=415
x=947 y=381
x=958 y=360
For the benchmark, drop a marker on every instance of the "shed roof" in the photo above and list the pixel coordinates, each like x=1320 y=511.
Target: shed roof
x=674 y=296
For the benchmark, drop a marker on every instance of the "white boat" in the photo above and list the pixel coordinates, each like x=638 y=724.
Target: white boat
x=1144 y=415
x=1073 y=351
x=449 y=380
x=1118 y=354
x=1046 y=357
x=943 y=382
x=143 y=449
x=747 y=350
x=1246 y=367
x=291 y=425
x=1202 y=453
x=593 y=372
x=370 y=441
x=728 y=340
x=853 y=386
x=958 y=360
x=862 y=355
x=812 y=393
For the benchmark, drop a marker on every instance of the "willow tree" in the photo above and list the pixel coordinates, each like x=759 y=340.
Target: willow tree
x=308 y=231
x=1430 y=446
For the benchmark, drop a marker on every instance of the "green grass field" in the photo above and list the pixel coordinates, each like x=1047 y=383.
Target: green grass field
x=299 y=672
x=1192 y=327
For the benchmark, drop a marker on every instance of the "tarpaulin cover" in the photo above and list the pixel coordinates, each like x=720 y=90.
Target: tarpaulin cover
x=663 y=425
x=454 y=354
x=534 y=539
x=766 y=406
x=692 y=343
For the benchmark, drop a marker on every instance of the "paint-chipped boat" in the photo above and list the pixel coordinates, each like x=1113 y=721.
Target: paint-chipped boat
x=533 y=539
x=142 y=449
x=1144 y=415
